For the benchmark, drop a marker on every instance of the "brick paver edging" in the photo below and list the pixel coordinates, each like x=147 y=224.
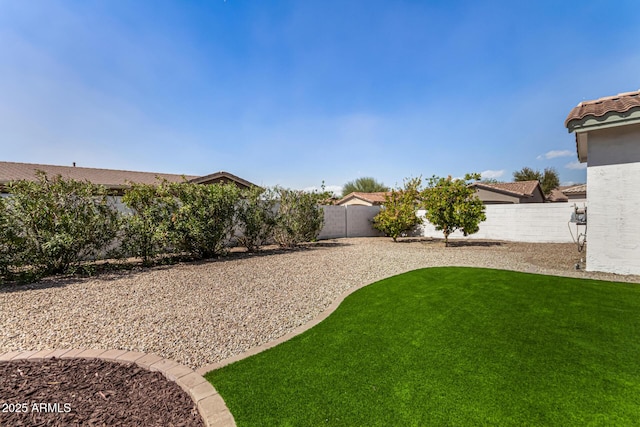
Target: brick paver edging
x=300 y=329
x=212 y=408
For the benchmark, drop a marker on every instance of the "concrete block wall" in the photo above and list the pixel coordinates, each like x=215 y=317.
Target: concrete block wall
x=535 y=222
x=349 y=221
x=360 y=221
x=335 y=223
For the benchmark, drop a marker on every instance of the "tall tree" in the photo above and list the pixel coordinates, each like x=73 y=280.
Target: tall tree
x=452 y=205
x=549 y=180
x=365 y=184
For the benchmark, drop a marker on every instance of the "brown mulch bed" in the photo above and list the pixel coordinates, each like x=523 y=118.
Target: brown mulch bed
x=80 y=392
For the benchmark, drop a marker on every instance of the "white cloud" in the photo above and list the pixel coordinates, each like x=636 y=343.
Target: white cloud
x=576 y=165
x=555 y=153
x=491 y=174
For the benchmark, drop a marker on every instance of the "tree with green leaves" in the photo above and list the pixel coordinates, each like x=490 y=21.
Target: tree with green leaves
x=549 y=180
x=399 y=212
x=452 y=205
x=490 y=181
x=11 y=243
x=365 y=184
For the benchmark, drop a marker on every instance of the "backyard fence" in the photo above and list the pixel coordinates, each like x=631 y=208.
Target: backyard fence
x=349 y=221
x=535 y=223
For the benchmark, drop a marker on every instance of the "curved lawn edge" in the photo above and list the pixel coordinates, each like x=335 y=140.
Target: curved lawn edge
x=282 y=360
x=299 y=330
x=318 y=319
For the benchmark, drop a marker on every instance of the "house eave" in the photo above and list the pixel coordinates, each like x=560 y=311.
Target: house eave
x=609 y=120
x=581 y=146
x=587 y=124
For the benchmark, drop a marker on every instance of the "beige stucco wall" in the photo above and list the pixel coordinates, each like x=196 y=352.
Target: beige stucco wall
x=613 y=179
x=355 y=202
x=492 y=197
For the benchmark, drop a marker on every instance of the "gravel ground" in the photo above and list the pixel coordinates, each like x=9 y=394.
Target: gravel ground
x=201 y=313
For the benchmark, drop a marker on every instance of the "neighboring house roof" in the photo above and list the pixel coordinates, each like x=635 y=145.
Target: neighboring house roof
x=520 y=188
x=557 y=196
x=222 y=176
x=575 y=190
x=110 y=178
x=509 y=192
x=373 y=198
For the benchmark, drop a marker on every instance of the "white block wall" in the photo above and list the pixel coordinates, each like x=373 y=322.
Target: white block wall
x=532 y=222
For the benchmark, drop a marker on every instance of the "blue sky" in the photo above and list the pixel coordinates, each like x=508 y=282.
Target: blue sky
x=294 y=93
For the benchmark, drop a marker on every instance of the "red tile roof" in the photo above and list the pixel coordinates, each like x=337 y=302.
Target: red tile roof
x=373 y=198
x=10 y=171
x=520 y=188
x=576 y=189
x=620 y=103
x=557 y=196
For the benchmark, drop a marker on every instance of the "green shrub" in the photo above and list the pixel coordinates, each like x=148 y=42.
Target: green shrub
x=203 y=223
x=146 y=229
x=398 y=214
x=452 y=205
x=256 y=217
x=57 y=223
x=10 y=244
x=299 y=217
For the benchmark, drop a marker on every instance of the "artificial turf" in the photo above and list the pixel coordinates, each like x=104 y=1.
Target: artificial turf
x=453 y=346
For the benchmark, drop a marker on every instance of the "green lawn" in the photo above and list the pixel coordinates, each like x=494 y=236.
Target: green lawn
x=453 y=346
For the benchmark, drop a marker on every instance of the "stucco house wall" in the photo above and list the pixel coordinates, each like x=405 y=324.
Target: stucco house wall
x=613 y=176
x=493 y=197
x=489 y=197
x=356 y=202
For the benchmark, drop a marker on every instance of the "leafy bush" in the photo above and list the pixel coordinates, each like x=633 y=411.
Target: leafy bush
x=10 y=243
x=398 y=214
x=56 y=223
x=256 y=217
x=203 y=223
x=299 y=217
x=146 y=230
x=452 y=205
